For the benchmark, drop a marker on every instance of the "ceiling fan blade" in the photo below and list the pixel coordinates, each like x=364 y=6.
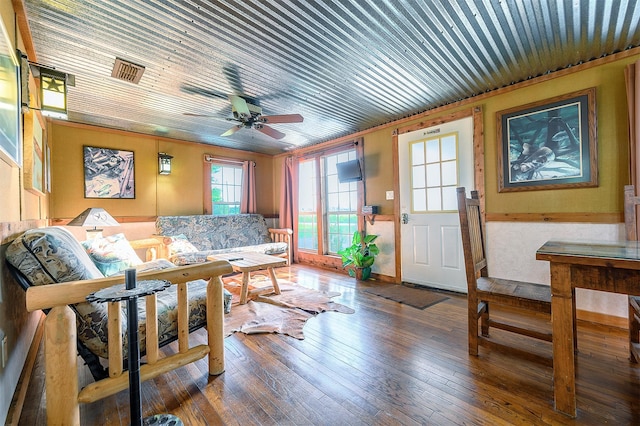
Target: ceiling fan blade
x=285 y=118
x=240 y=105
x=269 y=131
x=196 y=115
x=232 y=130
x=232 y=75
x=187 y=88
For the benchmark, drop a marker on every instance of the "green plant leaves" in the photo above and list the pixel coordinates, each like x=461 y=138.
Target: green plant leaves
x=361 y=253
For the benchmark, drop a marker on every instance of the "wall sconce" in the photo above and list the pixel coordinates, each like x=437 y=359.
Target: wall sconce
x=53 y=93
x=164 y=163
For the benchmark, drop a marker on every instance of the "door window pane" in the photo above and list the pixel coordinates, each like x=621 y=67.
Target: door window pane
x=433 y=150
x=434 y=177
x=434 y=199
x=417 y=153
x=418 y=177
x=449 y=173
x=448 y=148
x=419 y=200
x=449 y=199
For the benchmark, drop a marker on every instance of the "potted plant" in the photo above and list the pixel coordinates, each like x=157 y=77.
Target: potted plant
x=360 y=255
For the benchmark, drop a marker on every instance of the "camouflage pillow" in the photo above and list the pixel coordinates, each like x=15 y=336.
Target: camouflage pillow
x=111 y=254
x=51 y=255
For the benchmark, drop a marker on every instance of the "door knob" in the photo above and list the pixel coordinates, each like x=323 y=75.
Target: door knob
x=405 y=218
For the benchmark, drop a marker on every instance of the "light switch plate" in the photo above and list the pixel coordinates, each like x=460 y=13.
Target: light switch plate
x=389 y=195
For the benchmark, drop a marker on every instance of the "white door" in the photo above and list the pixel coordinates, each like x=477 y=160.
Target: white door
x=433 y=162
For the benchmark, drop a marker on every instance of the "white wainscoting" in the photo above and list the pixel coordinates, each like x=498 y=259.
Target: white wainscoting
x=512 y=249
x=385 y=263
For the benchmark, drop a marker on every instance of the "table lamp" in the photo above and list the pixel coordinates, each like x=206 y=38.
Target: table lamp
x=95 y=217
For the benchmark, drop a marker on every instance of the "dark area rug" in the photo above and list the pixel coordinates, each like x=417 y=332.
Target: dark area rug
x=416 y=297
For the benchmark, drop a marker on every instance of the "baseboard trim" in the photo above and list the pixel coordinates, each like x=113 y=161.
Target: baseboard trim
x=19 y=396
x=604 y=319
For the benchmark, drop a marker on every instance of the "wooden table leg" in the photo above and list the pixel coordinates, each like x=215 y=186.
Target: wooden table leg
x=244 y=291
x=274 y=281
x=564 y=370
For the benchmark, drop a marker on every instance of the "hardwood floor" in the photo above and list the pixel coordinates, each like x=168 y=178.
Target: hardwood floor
x=387 y=364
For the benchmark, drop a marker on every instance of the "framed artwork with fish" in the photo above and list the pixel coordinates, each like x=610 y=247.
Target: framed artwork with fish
x=550 y=144
x=108 y=173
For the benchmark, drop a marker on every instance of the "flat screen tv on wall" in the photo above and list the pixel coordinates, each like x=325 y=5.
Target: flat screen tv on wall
x=349 y=171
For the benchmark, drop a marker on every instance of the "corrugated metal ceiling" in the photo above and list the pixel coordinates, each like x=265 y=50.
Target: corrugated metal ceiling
x=344 y=65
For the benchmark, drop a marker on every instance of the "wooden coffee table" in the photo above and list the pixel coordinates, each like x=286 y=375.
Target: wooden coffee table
x=249 y=262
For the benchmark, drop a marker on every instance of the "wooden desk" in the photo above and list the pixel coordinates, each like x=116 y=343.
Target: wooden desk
x=247 y=262
x=595 y=265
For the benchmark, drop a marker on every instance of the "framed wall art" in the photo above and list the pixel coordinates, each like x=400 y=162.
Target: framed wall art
x=10 y=140
x=108 y=173
x=34 y=155
x=47 y=167
x=549 y=144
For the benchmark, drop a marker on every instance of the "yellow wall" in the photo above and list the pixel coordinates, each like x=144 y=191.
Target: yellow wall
x=16 y=205
x=612 y=141
x=179 y=193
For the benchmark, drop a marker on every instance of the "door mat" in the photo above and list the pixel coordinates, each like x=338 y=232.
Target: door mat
x=416 y=297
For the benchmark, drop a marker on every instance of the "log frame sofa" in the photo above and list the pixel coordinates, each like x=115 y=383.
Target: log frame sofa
x=60 y=298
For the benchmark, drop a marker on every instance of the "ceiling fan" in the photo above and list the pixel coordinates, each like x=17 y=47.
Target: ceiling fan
x=246 y=110
x=250 y=116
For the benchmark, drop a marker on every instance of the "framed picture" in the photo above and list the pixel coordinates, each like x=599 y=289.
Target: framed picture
x=47 y=167
x=10 y=140
x=108 y=173
x=34 y=161
x=549 y=144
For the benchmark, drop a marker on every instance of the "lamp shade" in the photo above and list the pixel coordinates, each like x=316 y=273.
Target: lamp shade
x=95 y=217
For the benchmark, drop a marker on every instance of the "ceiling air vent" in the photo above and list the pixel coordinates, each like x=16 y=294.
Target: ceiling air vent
x=127 y=71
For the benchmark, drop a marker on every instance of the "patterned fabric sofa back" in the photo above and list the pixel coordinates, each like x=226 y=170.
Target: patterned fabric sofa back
x=207 y=232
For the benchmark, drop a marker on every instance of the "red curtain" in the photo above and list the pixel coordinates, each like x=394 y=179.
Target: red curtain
x=287 y=198
x=248 y=200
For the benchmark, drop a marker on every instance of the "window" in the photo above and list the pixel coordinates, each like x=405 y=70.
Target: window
x=434 y=174
x=327 y=209
x=307 y=209
x=342 y=203
x=226 y=188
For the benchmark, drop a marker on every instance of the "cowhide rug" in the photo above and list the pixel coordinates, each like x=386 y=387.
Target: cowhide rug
x=285 y=313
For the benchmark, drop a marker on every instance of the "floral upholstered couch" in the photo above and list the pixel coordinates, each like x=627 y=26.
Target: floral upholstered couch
x=190 y=239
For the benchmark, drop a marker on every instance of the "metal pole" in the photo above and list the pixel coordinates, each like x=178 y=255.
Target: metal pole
x=135 y=404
